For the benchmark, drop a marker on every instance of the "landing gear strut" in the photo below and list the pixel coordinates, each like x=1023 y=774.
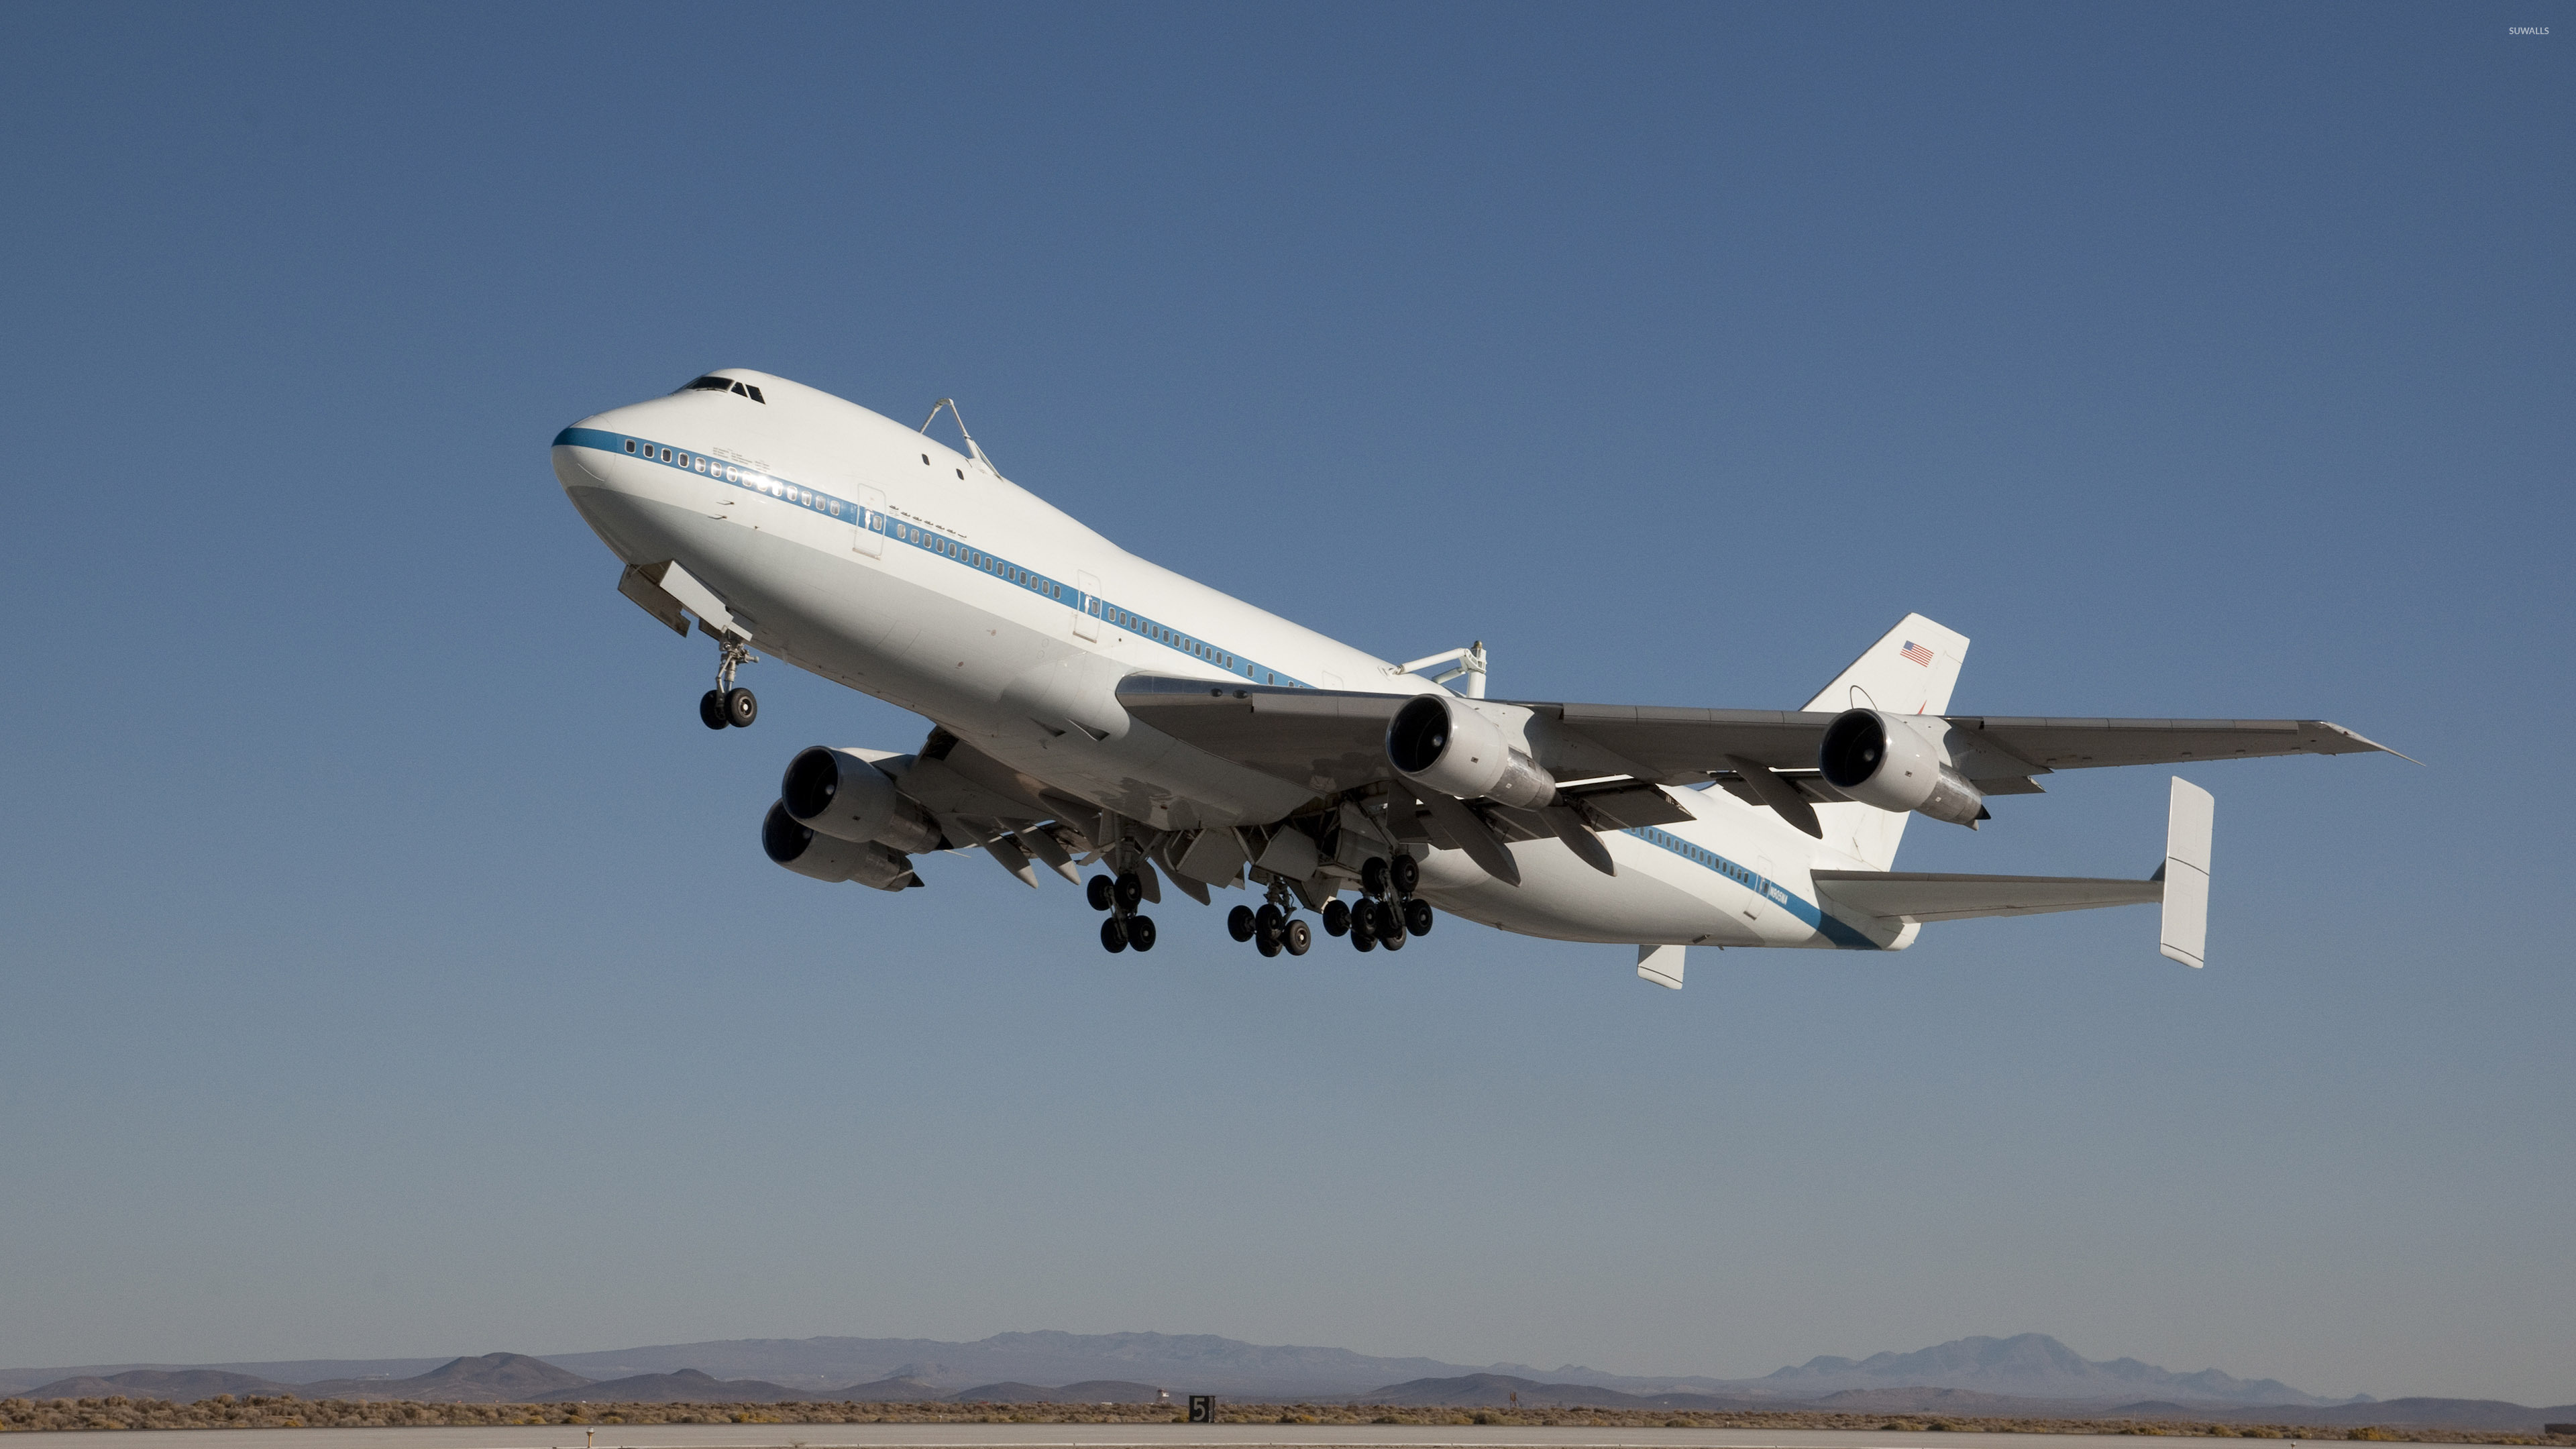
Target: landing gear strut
x=725 y=705
x=1120 y=897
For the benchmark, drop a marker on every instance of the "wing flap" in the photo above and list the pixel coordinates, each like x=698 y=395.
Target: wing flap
x=1915 y=896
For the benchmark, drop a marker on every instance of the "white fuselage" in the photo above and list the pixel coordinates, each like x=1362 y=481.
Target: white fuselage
x=865 y=552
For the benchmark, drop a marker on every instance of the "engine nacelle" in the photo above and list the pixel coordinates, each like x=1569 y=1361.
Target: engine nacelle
x=839 y=794
x=820 y=857
x=1884 y=760
x=1443 y=743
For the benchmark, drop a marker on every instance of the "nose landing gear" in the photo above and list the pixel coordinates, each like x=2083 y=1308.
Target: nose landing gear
x=725 y=705
x=1120 y=897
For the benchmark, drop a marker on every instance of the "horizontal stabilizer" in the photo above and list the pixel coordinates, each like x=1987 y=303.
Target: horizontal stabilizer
x=1913 y=896
x=2188 y=824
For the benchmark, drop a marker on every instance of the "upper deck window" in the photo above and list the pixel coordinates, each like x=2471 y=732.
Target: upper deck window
x=727 y=384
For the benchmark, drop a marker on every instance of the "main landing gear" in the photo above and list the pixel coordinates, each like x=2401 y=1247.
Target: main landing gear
x=1120 y=897
x=725 y=705
x=1271 y=929
x=1387 y=911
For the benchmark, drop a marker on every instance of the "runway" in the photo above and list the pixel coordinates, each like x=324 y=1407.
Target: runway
x=1068 y=1436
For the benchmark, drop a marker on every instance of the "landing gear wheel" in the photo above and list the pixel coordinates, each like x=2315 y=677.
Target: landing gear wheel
x=711 y=710
x=1098 y=892
x=1417 y=917
x=1337 y=918
x=1362 y=917
x=1267 y=944
x=740 y=709
x=1390 y=927
x=1129 y=892
x=1363 y=941
x=1239 y=923
x=1297 y=938
x=1373 y=877
x=1113 y=935
x=1271 y=918
x=1140 y=932
x=1406 y=873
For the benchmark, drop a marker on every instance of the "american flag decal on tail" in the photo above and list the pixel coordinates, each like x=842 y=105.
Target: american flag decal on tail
x=1917 y=653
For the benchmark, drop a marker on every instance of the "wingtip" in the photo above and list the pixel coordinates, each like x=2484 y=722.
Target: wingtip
x=2366 y=740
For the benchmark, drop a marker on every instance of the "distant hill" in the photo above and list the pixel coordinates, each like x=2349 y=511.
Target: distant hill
x=1203 y=1362
x=886 y=1391
x=492 y=1378
x=688 y=1386
x=182 y=1386
x=2492 y=1414
x=1088 y=1391
x=1484 y=1390
x=2027 y=1365
x=2032 y=1368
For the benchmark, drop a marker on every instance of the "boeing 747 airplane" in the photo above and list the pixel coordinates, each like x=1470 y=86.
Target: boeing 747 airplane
x=1091 y=708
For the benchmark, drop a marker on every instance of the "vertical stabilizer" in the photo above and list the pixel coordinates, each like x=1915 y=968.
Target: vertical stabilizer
x=2188 y=826
x=1910 y=670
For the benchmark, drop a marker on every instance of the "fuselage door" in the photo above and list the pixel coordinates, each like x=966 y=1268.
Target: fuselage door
x=868 y=532
x=1086 y=619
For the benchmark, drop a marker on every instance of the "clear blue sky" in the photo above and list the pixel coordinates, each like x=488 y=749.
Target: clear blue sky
x=388 y=965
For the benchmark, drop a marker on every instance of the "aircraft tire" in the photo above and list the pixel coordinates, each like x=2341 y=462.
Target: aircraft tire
x=1239 y=923
x=1390 y=927
x=1113 y=935
x=1140 y=932
x=740 y=708
x=1405 y=873
x=1129 y=892
x=1270 y=918
x=1418 y=916
x=1266 y=943
x=1100 y=892
x=1297 y=938
x=711 y=710
x=1373 y=876
x=1337 y=918
x=1363 y=941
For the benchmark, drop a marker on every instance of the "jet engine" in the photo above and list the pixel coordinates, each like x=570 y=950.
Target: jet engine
x=839 y=794
x=1443 y=743
x=1886 y=760
x=820 y=857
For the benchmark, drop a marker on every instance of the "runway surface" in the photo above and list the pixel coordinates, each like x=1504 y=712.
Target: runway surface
x=1062 y=1436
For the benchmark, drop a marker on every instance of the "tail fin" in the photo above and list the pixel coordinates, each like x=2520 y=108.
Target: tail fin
x=1910 y=670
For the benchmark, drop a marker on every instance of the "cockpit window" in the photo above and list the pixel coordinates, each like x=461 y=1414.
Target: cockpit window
x=726 y=384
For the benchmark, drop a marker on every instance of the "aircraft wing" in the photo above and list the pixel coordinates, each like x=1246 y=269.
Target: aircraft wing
x=1328 y=740
x=1908 y=896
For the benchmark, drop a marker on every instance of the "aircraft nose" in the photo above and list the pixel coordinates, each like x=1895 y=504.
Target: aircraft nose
x=583 y=452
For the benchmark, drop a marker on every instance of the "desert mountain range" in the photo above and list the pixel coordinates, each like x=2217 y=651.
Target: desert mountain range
x=2028 y=1374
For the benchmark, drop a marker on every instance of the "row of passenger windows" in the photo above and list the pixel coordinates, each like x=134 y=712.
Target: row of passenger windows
x=727 y=384
x=749 y=477
x=1708 y=858
x=946 y=547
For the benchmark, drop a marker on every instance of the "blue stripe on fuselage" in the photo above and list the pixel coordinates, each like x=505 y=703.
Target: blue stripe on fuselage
x=1842 y=935
x=934 y=543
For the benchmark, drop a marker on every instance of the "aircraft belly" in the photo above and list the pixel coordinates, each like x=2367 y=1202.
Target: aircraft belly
x=1562 y=898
